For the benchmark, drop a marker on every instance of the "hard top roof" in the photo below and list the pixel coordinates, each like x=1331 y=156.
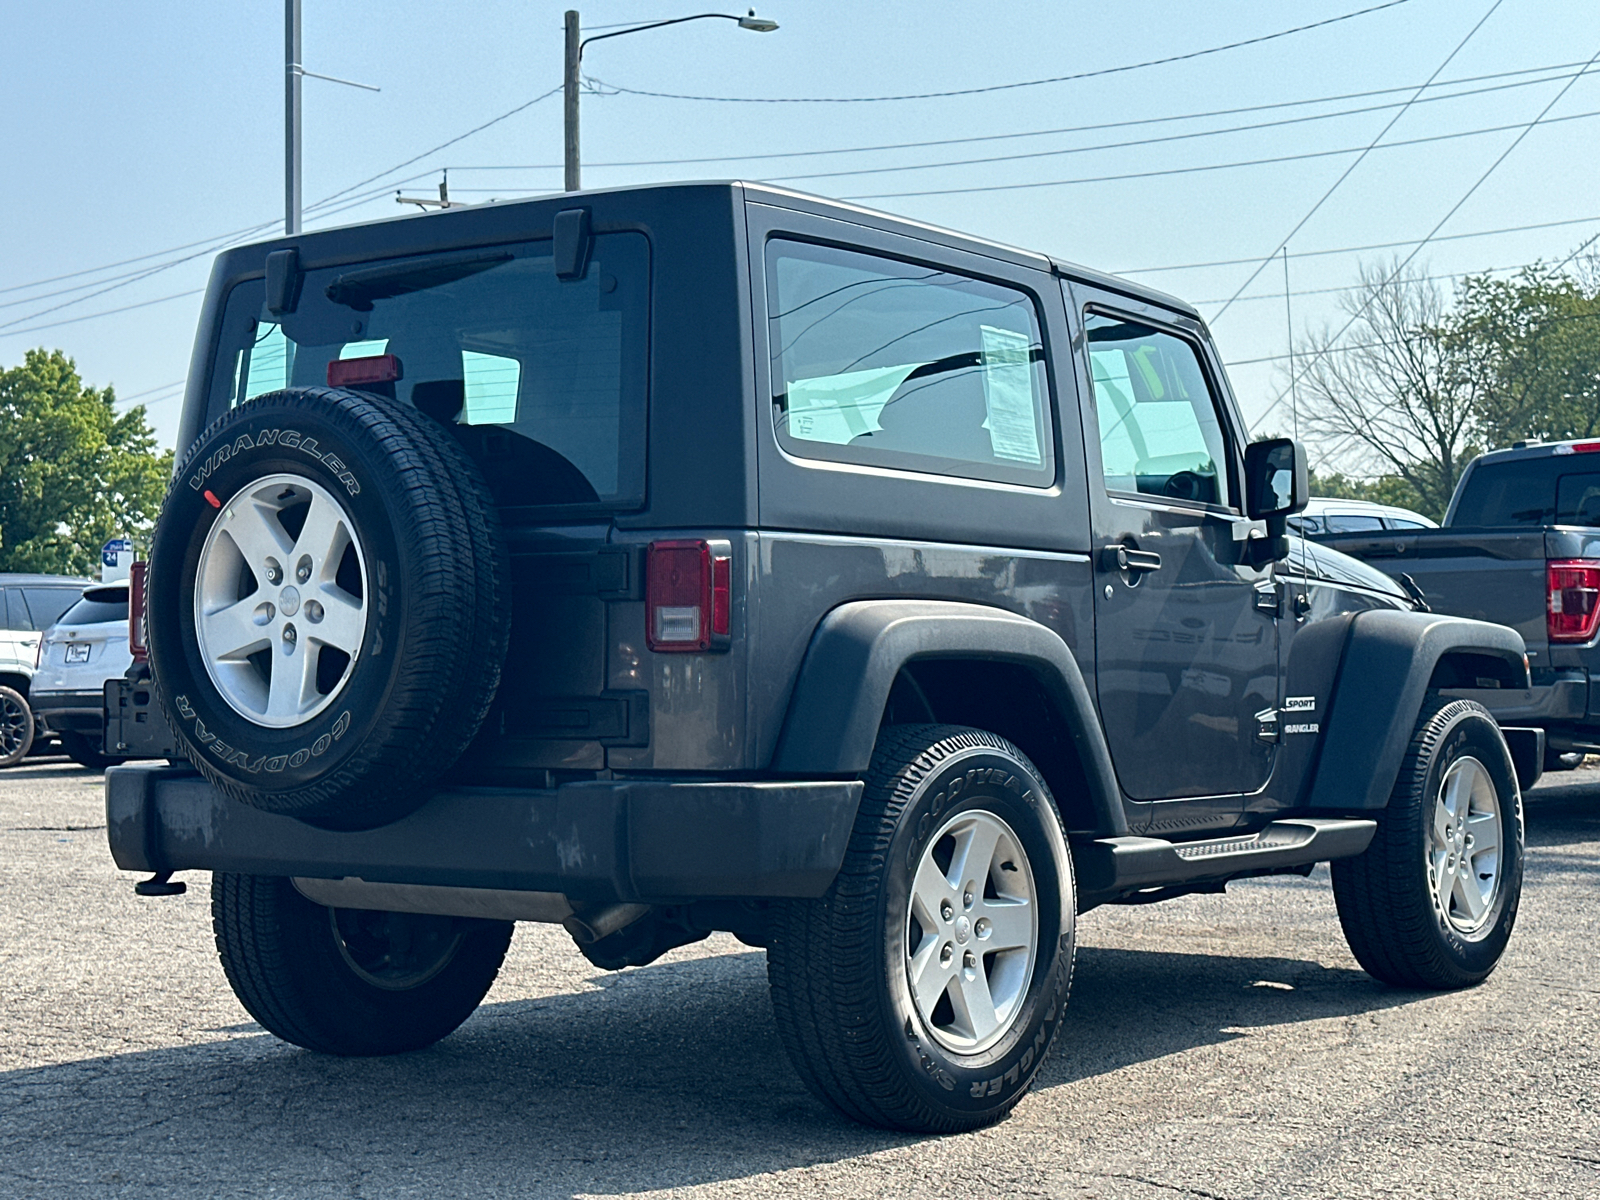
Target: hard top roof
x=764 y=193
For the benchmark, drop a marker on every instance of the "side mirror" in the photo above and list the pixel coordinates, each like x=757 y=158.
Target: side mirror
x=1276 y=486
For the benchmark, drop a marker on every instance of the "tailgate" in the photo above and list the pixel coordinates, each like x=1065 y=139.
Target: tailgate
x=1487 y=574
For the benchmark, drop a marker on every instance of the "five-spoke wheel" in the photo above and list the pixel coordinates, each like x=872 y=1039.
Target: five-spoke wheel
x=972 y=931
x=1464 y=855
x=280 y=603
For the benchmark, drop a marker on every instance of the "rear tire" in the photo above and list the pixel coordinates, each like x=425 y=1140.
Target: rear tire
x=349 y=982
x=1432 y=901
x=16 y=727
x=923 y=991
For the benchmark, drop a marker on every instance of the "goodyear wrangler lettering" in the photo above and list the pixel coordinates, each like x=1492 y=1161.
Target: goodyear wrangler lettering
x=233 y=757
x=290 y=439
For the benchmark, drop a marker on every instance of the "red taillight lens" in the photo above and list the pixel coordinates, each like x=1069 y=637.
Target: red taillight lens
x=1572 y=599
x=136 y=644
x=375 y=368
x=687 y=596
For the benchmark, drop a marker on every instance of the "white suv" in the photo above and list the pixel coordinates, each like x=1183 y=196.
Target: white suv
x=86 y=647
x=29 y=604
x=1326 y=515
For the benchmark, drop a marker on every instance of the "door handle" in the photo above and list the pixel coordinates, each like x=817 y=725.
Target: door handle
x=1125 y=558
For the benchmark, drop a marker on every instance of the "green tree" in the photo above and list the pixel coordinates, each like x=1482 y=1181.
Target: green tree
x=72 y=472
x=1396 y=390
x=1539 y=333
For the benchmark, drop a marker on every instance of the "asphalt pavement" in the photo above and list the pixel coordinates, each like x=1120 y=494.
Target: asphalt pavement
x=1220 y=1047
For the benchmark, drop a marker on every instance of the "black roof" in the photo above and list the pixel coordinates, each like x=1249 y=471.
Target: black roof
x=765 y=193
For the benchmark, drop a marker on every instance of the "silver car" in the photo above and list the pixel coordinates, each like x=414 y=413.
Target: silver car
x=28 y=605
x=86 y=647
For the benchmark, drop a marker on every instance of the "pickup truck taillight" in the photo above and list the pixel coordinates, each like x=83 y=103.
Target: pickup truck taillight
x=1572 y=599
x=687 y=593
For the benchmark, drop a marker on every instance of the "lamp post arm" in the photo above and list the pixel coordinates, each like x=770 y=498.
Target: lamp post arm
x=653 y=25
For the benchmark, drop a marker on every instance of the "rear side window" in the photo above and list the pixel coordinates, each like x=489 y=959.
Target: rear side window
x=542 y=379
x=1350 y=523
x=1554 y=490
x=46 y=605
x=905 y=366
x=1159 y=430
x=14 y=610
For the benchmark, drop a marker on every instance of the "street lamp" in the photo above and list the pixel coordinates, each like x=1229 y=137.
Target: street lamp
x=574 y=56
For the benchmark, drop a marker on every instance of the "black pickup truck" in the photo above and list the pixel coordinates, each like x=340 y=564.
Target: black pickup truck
x=1520 y=546
x=705 y=557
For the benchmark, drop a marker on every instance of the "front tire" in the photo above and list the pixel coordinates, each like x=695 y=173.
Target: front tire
x=346 y=981
x=923 y=991
x=16 y=727
x=1432 y=901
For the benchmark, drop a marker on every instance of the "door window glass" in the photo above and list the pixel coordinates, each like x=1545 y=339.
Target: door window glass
x=1159 y=432
x=15 y=611
x=1350 y=523
x=900 y=365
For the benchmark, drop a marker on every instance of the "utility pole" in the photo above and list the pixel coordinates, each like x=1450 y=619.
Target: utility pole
x=291 y=117
x=570 y=101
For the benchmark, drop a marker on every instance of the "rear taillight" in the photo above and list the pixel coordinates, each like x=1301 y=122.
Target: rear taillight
x=136 y=644
x=1572 y=599
x=353 y=372
x=688 y=595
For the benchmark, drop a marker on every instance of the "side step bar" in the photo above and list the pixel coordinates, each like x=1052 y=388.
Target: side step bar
x=1124 y=863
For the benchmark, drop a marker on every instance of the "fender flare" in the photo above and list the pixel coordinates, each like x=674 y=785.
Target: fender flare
x=858 y=649
x=1383 y=679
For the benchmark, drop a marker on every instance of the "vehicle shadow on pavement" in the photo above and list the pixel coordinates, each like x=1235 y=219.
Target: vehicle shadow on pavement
x=1562 y=810
x=667 y=1076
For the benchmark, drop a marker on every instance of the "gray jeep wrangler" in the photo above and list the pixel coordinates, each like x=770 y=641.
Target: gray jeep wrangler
x=710 y=557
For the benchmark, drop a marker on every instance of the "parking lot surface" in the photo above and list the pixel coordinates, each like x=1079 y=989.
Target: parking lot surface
x=1215 y=1047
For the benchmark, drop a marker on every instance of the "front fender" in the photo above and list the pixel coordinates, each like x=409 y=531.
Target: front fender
x=1384 y=676
x=858 y=650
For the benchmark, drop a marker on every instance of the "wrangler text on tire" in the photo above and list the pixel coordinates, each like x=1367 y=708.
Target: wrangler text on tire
x=328 y=605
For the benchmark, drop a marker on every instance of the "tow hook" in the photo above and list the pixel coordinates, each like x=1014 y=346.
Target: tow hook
x=159 y=884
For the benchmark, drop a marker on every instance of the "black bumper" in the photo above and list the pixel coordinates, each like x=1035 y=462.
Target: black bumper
x=649 y=841
x=81 y=712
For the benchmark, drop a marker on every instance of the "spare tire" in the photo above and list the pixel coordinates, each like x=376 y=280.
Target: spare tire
x=328 y=605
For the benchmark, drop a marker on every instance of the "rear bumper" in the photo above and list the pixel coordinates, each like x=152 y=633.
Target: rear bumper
x=646 y=841
x=83 y=712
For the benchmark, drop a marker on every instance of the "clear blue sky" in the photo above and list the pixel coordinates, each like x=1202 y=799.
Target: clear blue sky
x=130 y=129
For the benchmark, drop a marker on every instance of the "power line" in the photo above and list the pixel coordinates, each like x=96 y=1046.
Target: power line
x=1151 y=141
x=1156 y=174
x=1252 y=162
x=1091 y=128
x=1454 y=208
x=1005 y=87
x=1449 y=237
x=103 y=313
x=1278 y=295
x=1346 y=173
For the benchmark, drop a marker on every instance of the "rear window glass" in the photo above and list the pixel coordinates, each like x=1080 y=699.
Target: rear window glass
x=92 y=612
x=906 y=366
x=541 y=379
x=1533 y=491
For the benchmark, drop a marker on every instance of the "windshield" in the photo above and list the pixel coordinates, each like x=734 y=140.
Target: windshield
x=541 y=379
